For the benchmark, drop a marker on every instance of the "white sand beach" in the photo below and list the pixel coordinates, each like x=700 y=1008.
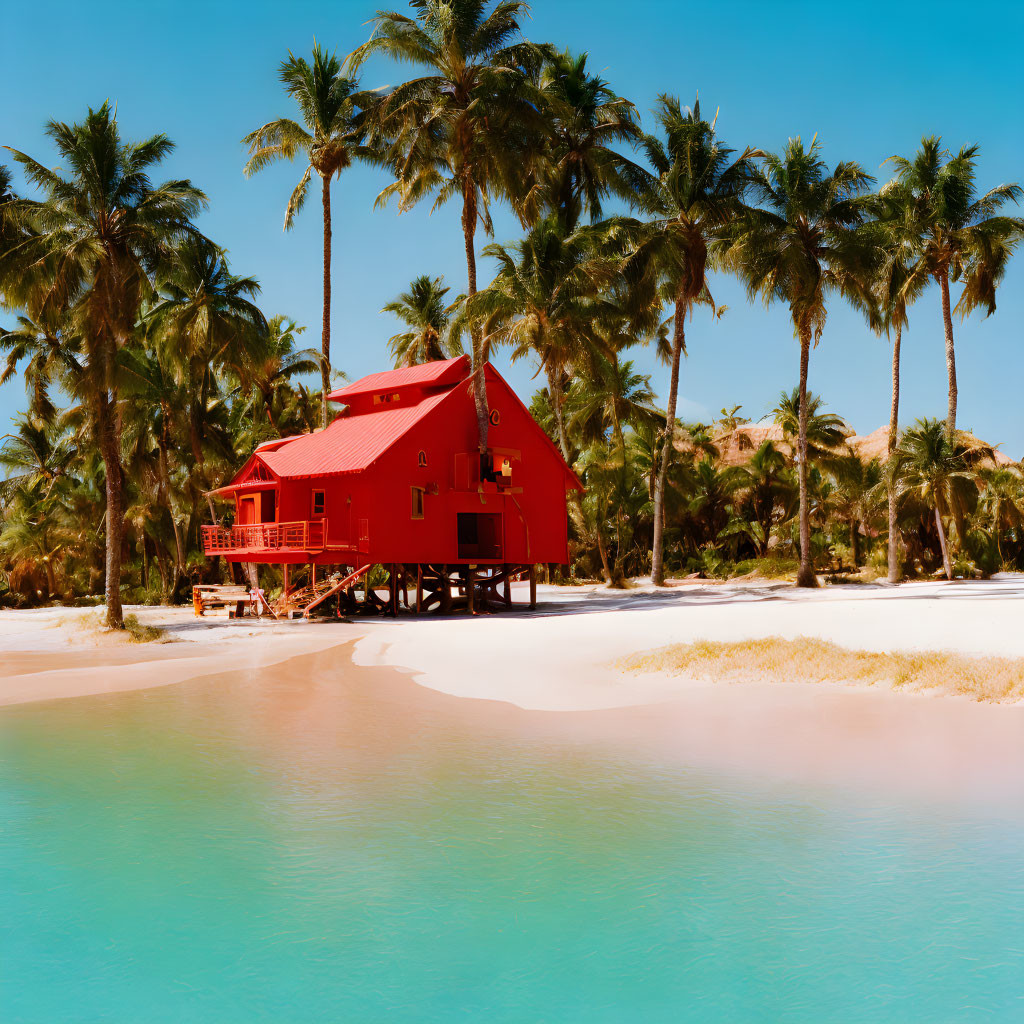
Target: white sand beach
x=561 y=658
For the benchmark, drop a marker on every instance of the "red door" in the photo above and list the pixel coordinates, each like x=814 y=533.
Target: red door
x=246 y=511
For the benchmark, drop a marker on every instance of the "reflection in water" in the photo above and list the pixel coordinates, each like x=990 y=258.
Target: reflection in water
x=319 y=842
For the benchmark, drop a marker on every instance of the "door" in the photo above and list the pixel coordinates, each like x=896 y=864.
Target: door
x=480 y=536
x=247 y=511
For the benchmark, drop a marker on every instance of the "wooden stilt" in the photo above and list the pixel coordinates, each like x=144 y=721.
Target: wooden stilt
x=533 y=586
x=470 y=589
x=507 y=587
x=419 y=589
x=312 y=567
x=287 y=581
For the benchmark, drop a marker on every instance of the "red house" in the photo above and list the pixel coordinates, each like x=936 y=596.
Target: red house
x=397 y=479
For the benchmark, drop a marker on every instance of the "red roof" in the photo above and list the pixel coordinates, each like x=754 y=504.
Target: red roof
x=424 y=375
x=350 y=443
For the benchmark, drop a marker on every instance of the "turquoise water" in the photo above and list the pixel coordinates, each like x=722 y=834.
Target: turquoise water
x=275 y=849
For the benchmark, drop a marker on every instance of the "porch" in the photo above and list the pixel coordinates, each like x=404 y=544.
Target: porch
x=256 y=540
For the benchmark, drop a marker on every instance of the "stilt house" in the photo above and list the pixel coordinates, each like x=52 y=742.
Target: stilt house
x=397 y=478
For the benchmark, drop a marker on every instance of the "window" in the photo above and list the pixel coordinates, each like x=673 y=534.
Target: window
x=417 y=502
x=318 y=503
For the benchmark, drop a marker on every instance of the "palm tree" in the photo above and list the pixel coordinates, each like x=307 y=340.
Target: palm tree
x=428 y=316
x=581 y=169
x=826 y=432
x=469 y=127
x=895 y=287
x=204 y=318
x=542 y=302
x=858 y=491
x=937 y=470
x=37 y=453
x=10 y=232
x=331 y=138
x=799 y=248
x=959 y=235
x=1002 y=503
x=155 y=401
x=766 y=483
x=698 y=192
x=101 y=233
x=270 y=361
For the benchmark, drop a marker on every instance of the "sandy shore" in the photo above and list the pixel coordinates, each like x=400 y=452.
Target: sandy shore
x=556 y=665
x=558 y=658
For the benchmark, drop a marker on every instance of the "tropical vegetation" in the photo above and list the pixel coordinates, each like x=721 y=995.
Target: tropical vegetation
x=152 y=371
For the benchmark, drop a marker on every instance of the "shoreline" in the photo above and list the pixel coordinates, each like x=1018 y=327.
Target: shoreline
x=563 y=656
x=552 y=671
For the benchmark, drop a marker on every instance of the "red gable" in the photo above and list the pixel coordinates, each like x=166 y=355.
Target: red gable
x=350 y=443
x=423 y=377
x=382 y=408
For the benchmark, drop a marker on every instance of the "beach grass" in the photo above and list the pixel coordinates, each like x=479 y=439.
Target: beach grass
x=140 y=633
x=777 y=660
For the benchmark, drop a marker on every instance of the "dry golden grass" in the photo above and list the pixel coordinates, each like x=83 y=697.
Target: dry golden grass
x=90 y=626
x=773 y=659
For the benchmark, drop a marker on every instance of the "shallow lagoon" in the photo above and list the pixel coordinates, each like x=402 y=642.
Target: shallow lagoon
x=318 y=842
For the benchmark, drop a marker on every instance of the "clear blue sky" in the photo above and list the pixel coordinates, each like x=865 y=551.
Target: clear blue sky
x=870 y=80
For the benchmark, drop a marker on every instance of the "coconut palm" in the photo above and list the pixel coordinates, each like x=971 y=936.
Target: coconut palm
x=36 y=453
x=895 y=287
x=859 y=491
x=767 y=485
x=581 y=168
x=330 y=136
x=427 y=314
x=468 y=128
x=542 y=302
x=10 y=233
x=205 y=318
x=698 y=192
x=959 y=235
x=1002 y=503
x=157 y=406
x=101 y=233
x=937 y=470
x=826 y=432
x=801 y=247
x=269 y=361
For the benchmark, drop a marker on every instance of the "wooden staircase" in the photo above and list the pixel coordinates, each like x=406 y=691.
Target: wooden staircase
x=305 y=599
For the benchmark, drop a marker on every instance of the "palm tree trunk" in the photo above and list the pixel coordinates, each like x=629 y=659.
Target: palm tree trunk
x=469 y=213
x=164 y=493
x=855 y=542
x=161 y=565
x=946 y=564
x=604 y=555
x=110 y=451
x=557 y=410
x=657 y=556
x=894 y=417
x=805 y=576
x=575 y=504
x=144 y=559
x=947 y=323
x=325 y=344
x=268 y=402
x=51 y=578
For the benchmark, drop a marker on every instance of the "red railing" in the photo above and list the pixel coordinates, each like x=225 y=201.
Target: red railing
x=300 y=536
